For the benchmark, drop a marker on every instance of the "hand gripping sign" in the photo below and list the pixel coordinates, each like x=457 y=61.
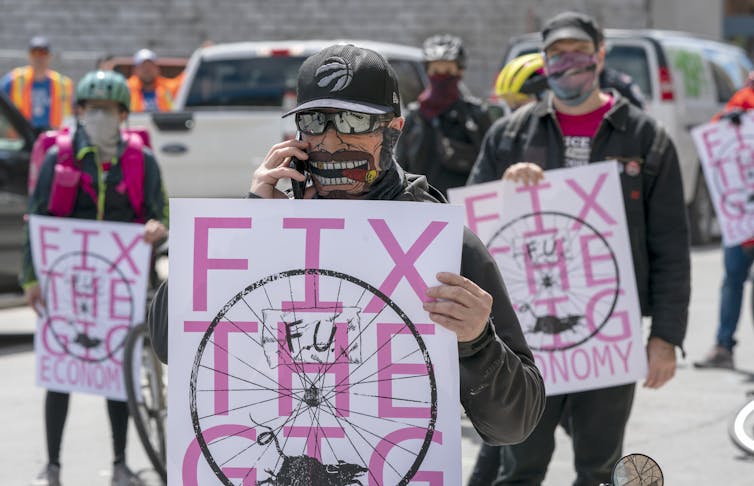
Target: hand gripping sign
x=93 y=277
x=299 y=349
x=563 y=250
x=726 y=153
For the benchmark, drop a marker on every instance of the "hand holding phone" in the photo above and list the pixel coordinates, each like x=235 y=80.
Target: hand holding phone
x=301 y=166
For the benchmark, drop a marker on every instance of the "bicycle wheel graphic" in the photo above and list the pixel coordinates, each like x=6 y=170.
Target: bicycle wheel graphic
x=78 y=296
x=305 y=361
x=562 y=277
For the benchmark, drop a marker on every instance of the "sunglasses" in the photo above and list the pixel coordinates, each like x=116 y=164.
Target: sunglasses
x=345 y=122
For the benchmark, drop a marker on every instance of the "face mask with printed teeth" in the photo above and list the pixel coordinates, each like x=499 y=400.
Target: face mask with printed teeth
x=334 y=181
x=346 y=167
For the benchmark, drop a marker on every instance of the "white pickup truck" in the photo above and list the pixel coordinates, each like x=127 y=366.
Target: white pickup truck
x=228 y=111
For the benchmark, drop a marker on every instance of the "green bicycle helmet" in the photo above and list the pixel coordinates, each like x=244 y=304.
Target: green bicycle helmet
x=104 y=85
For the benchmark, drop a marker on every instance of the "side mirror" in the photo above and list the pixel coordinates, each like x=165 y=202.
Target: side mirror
x=637 y=470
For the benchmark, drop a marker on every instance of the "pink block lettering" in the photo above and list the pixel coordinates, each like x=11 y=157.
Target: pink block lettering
x=383 y=448
x=472 y=219
x=220 y=351
x=119 y=293
x=194 y=453
x=85 y=234
x=313 y=228
x=125 y=253
x=44 y=244
x=589 y=259
x=404 y=262
x=711 y=139
x=202 y=262
x=388 y=369
x=590 y=201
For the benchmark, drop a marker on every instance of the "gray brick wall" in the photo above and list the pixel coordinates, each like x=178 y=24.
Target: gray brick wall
x=81 y=30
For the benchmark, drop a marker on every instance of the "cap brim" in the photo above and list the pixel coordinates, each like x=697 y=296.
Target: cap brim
x=566 y=33
x=360 y=107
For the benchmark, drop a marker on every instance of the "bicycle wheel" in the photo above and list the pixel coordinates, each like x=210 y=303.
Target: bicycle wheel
x=322 y=362
x=145 y=392
x=741 y=430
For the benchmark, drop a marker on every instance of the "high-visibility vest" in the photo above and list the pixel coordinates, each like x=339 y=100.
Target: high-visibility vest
x=162 y=93
x=61 y=94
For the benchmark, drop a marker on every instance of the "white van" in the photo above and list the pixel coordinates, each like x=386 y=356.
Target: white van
x=685 y=80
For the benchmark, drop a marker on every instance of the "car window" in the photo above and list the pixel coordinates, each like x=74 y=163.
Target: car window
x=252 y=82
x=410 y=82
x=631 y=60
x=262 y=81
x=724 y=85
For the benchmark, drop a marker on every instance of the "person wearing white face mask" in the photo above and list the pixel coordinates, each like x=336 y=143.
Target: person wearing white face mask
x=119 y=180
x=576 y=124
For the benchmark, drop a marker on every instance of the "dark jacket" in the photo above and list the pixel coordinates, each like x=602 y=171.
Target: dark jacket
x=656 y=214
x=623 y=84
x=117 y=206
x=419 y=147
x=502 y=391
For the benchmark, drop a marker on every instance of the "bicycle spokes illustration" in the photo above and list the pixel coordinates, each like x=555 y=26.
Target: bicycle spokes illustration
x=562 y=276
x=81 y=291
x=324 y=379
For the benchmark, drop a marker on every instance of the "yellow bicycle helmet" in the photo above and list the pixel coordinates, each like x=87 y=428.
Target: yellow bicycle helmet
x=521 y=78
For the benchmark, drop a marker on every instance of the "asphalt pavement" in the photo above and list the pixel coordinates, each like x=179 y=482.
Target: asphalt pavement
x=683 y=426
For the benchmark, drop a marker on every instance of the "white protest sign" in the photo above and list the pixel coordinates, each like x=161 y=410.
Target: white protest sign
x=726 y=153
x=299 y=349
x=93 y=277
x=563 y=250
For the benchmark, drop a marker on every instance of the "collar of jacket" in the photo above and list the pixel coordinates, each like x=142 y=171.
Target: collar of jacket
x=617 y=116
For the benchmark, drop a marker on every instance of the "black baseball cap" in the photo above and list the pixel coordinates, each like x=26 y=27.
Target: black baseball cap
x=347 y=77
x=39 y=42
x=570 y=25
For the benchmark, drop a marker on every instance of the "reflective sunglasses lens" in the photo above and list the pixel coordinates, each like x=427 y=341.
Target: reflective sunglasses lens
x=311 y=122
x=351 y=122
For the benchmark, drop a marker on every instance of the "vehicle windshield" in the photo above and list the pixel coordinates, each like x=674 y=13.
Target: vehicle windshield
x=257 y=81
x=262 y=82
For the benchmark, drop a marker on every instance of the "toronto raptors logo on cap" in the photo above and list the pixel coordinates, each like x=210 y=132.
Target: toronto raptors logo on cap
x=335 y=70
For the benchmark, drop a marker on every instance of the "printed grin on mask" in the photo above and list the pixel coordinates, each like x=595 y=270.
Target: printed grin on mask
x=340 y=168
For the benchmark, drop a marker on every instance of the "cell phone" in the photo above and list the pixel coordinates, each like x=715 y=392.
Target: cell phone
x=301 y=166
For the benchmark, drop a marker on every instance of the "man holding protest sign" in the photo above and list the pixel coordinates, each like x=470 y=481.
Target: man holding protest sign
x=574 y=125
x=95 y=174
x=348 y=115
x=737 y=258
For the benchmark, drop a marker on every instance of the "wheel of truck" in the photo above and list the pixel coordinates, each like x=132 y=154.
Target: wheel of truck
x=702 y=218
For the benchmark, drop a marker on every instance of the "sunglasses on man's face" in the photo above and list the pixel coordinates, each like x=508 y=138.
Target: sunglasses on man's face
x=345 y=122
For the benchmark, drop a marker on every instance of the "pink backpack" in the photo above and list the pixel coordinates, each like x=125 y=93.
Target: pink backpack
x=69 y=177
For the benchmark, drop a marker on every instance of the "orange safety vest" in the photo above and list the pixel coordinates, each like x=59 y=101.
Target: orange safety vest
x=61 y=94
x=162 y=92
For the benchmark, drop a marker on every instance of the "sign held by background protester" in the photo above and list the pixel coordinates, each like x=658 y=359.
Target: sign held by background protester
x=299 y=349
x=563 y=250
x=726 y=152
x=93 y=277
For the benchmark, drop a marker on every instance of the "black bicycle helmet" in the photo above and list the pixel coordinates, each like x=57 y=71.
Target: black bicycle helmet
x=444 y=47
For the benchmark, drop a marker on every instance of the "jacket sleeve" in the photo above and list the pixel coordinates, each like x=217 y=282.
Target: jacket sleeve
x=38 y=202
x=155 y=197
x=669 y=250
x=157 y=322
x=488 y=166
x=502 y=390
